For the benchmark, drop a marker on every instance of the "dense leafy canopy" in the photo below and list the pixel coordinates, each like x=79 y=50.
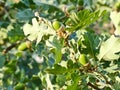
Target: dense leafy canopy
x=59 y=44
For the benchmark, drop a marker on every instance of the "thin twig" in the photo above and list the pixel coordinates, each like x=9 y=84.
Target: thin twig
x=10 y=47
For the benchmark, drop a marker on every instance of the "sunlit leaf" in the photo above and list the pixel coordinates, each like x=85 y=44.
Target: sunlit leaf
x=112 y=69
x=115 y=17
x=109 y=49
x=118 y=79
x=37 y=30
x=3 y=35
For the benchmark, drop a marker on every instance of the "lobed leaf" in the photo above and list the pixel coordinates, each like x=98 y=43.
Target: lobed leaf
x=109 y=49
x=37 y=30
x=89 y=44
x=56 y=45
x=82 y=19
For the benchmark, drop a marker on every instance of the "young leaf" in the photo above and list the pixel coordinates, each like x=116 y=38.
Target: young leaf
x=36 y=31
x=82 y=19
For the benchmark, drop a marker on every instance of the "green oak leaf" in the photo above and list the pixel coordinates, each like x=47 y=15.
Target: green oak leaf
x=58 y=69
x=55 y=44
x=89 y=44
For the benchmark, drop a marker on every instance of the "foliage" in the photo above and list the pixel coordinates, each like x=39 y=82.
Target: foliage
x=34 y=55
